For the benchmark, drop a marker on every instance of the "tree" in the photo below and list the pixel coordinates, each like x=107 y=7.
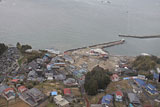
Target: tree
x=98 y=78
x=18 y=45
x=92 y=87
x=3 y=48
x=25 y=47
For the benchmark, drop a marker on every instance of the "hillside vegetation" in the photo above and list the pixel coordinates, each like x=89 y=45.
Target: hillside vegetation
x=146 y=63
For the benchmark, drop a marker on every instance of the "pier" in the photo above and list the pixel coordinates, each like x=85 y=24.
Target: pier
x=102 y=45
x=141 y=37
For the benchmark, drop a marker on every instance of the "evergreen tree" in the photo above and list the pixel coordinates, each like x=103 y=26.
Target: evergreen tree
x=96 y=79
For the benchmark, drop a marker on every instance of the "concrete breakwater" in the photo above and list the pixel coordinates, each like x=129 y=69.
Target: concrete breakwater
x=102 y=45
x=141 y=37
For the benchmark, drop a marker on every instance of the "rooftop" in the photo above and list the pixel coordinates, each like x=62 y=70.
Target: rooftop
x=54 y=93
x=119 y=93
x=67 y=91
x=107 y=99
x=140 y=82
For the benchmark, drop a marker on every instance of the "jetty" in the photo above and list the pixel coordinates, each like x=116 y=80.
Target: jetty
x=101 y=46
x=141 y=37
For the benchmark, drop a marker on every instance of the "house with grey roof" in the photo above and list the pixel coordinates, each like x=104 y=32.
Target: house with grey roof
x=69 y=59
x=133 y=99
x=70 y=82
x=60 y=77
x=32 y=74
x=2 y=88
x=32 y=96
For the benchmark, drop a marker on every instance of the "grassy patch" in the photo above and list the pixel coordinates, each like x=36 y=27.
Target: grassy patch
x=51 y=105
x=21 y=60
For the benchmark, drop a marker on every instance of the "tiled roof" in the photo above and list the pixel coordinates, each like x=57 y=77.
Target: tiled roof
x=140 y=82
x=67 y=91
x=8 y=89
x=119 y=93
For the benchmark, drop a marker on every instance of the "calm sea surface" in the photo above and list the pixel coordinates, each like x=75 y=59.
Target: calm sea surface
x=66 y=24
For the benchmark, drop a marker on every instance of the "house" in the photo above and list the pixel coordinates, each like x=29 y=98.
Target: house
x=57 y=59
x=49 y=67
x=118 y=96
x=107 y=99
x=60 y=101
x=9 y=93
x=39 y=61
x=151 y=89
x=60 y=77
x=21 y=89
x=136 y=89
x=133 y=99
x=130 y=105
x=46 y=57
x=2 y=88
x=80 y=74
x=28 y=99
x=97 y=105
x=53 y=51
x=14 y=80
x=115 y=77
x=39 y=72
x=32 y=96
x=61 y=64
x=140 y=82
x=67 y=91
x=70 y=82
x=32 y=74
x=21 y=77
x=54 y=93
x=49 y=76
x=143 y=77
x=1 y=79
x=97 y=52
x=68 y=59
x=36 y=94
x=156 y=76
x=33 y=65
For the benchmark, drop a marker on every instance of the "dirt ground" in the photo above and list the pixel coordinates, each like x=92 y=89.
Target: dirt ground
x=18 y=103
x=82 y=56
x=76 y=91
x=48 y=87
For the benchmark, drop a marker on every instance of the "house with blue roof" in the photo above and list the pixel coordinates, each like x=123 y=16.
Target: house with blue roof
x=155 y=76
x=151 y=89
x=54 y=93
x=107 y=99
x=140 y=82
x=80 y=73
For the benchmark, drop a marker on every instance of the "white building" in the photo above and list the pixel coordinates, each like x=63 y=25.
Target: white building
x=60 y=101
